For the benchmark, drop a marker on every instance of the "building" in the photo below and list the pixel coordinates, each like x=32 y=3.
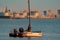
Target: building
x=25 y=13
x=18 y=15
x=58 y=11
x=45 y=13
x=50 y=14
x=58 y=14
x=33 y=14
x=36 y=14
x=22 y=15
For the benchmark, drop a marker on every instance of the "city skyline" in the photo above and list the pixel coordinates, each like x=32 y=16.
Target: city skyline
x=20 y=5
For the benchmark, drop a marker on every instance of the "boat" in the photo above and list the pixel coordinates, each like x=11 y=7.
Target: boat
x=5 y=14
x=3 y=17
x=28 y=33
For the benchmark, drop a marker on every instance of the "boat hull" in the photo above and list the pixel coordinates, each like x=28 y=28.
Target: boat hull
x=32 y=34
x=27 y=34
x=6 y=17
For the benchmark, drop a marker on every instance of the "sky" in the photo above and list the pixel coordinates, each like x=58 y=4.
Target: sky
x=20 y=5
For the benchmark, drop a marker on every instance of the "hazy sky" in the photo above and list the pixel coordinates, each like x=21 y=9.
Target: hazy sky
x=20 y=5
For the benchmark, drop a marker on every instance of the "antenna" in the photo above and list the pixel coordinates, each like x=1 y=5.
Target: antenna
x=6 y=3
x=6 y=6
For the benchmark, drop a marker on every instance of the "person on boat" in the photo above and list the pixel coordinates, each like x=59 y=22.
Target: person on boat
x=21 y=30
x=29 y=29
x=15 y=32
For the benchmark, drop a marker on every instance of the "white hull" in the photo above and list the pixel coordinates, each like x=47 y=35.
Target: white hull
x=32 y=34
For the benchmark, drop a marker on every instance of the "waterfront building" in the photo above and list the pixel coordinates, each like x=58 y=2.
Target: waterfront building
x=25 y=13
x=45 y=13
x=17 y=15
x=36 y=14
x=58 y=13
x=50 y=14
x=13 y=14
x=42 y=15
x=21 y=15
x=33 y=14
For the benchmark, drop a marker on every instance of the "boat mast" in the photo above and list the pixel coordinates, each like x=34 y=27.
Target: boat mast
x=6 y=7
x=29 y=12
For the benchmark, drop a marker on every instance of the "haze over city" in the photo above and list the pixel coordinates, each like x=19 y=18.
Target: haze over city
x=20 y=5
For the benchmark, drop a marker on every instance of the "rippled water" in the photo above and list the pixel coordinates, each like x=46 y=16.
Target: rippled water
x=49 y=27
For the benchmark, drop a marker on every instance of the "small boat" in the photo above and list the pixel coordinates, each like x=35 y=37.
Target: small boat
x=27 y=34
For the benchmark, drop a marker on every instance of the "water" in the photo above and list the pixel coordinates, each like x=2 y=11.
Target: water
x=49 y=27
